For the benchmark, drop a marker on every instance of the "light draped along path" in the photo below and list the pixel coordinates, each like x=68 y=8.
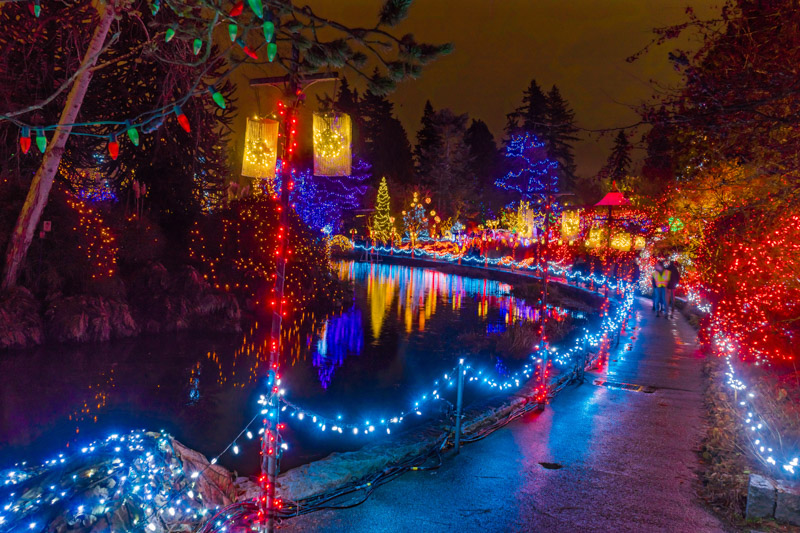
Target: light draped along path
x=628 y=458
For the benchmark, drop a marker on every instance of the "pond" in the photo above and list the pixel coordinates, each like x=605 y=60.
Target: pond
x=371 y=359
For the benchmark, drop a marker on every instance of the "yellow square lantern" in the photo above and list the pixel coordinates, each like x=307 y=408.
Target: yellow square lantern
x=570 y=224
x=332 y=138
x=597 y=237
x=260 y=150
x=621 y=240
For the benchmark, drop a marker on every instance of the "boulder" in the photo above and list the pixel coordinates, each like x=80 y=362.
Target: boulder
x=761 y=495
x=787 y=508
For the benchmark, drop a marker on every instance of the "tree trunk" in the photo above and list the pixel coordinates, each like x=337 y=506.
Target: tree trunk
x=42 y=182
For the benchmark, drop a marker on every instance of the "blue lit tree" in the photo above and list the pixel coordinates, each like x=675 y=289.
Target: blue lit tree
x=323 y=201
x=531 y=173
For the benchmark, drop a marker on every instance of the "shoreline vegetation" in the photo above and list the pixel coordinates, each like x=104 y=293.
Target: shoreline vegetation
x=153 y=301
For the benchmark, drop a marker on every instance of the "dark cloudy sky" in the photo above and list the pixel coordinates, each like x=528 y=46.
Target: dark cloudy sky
x=579 y=45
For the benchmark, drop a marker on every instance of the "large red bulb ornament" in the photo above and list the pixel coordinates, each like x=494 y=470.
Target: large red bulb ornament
x=182 y=120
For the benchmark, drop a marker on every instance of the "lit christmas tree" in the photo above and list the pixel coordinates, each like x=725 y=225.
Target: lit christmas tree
x=382 y=226
x=532 y=174
x=415 y=223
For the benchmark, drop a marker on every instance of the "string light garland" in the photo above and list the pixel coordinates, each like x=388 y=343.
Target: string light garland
x=155 y=116
x=532 y=172
x=101 y=248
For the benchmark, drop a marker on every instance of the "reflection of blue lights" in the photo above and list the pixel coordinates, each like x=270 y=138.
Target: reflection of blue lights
x=341 y=336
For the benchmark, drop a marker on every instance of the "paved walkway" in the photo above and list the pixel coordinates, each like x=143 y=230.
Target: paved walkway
x=629 y=461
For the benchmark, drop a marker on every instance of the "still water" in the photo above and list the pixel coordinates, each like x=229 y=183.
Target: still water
x=369 y=360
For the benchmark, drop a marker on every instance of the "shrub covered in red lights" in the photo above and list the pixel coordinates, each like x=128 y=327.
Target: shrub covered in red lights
x=749 y=270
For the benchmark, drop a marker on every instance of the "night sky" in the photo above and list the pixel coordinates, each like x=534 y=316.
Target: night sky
x=579 y=45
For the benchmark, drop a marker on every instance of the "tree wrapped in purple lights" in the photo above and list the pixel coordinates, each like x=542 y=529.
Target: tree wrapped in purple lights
x=531 y=172
x=323 y=201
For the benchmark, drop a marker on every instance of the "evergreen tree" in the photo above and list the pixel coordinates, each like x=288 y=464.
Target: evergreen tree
x=534 y=111
x=385 y=139
x=382 y=225
x=347 y=101
x=531 y=172
x=428 y=142
x=531 y=116
x=449 y=176
x=618 y=165
x=559 y=136
x=483 y=152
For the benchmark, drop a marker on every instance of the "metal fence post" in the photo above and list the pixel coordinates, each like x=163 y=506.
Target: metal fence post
x=582 y=362
x=459 y=402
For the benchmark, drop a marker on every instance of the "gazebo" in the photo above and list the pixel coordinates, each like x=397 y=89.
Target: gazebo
x=611 y=200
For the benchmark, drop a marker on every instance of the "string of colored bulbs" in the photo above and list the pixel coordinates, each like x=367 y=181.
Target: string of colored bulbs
x=151 y=120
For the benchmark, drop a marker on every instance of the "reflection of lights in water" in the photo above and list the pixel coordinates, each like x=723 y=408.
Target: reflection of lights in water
x=500 y=366
x=340 y=336
x=414 y=294
x=194 y=384
x=98 y=401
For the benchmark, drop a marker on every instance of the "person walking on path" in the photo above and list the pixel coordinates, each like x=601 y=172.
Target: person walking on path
x=660 y=282
x=672 y=284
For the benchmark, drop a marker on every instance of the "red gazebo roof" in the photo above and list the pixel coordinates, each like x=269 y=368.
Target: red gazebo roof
x=613 y=198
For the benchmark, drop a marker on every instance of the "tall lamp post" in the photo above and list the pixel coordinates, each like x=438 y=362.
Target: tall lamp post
x=293 y=90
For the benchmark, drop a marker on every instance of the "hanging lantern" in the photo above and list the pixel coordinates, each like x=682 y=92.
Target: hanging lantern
x=621 y=240
x=260 y=150
x=570 y=224
x=332 y=137
x=597 y=237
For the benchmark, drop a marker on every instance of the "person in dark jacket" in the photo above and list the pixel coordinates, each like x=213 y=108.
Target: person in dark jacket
x=674 y=279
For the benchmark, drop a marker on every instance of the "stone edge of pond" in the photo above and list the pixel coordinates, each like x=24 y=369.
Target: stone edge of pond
x=343 y=468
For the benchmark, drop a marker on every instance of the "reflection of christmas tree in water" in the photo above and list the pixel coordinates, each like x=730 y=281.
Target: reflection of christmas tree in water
x=340 y=336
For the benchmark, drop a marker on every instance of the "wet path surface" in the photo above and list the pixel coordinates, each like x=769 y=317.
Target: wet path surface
x=628 y=459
